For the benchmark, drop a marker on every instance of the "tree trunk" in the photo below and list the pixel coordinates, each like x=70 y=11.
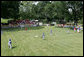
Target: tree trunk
x=75 y=18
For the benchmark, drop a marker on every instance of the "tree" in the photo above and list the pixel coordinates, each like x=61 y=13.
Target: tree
x=77 y=10
x=26 y=10
x=51 y=11
x=10 y=9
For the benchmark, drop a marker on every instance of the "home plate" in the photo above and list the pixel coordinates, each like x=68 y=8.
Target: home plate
x=68 y=32
x=36 y=36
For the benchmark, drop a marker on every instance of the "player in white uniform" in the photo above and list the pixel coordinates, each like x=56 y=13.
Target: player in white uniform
x=10 y=44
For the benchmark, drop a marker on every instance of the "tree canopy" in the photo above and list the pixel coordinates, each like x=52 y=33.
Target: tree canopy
x=10 y=9
x=43 y=10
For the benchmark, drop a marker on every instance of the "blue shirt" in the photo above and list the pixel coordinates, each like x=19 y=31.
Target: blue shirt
x=9 y=42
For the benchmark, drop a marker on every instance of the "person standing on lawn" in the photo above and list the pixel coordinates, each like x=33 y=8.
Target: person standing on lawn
x=78 y=29
x=10 y=44
x=74 y=29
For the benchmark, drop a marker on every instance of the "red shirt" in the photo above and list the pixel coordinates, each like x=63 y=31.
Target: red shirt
x=25 y=28
x=74 y=28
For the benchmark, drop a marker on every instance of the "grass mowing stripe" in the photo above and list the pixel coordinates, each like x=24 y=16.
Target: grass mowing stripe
x=23 y=37
x=3 y=46
x=13 y=38
x=62 y=40
x=53 y=45
x=6 y=48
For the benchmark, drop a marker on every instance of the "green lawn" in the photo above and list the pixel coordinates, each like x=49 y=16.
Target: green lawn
x=5 y=20
x=24 y=43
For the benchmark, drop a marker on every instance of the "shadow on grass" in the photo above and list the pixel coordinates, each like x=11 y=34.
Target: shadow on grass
x=19 y=29
x=14 y=47
x=66 y=27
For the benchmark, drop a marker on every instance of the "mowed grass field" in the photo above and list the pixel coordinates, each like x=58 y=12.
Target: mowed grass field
x=24 y=43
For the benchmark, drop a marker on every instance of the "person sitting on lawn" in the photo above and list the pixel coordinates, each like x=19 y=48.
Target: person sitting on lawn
x=9 y=44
